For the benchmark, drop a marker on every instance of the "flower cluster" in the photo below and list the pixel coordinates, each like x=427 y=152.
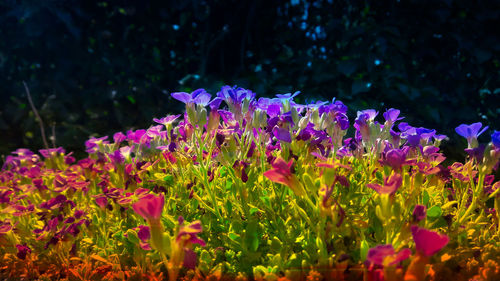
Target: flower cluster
x=268 y=185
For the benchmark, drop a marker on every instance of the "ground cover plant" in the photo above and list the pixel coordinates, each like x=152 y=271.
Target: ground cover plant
x=255 y=189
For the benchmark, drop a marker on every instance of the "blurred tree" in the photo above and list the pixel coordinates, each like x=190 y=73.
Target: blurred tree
x=97 y=67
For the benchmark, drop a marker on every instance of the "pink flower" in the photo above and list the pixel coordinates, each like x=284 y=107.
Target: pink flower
x=182 y=253
x=391 y=184
x=187 y=234
x=396 y=158
x=428 y=242
x=102 y=202
x=384 y=255
x=281 y=173
x=150 y=207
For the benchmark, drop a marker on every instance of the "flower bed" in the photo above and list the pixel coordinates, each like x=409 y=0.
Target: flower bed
x=262 y=189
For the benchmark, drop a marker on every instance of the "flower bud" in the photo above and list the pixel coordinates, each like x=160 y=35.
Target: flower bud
x=201 y=117
x=303 y=122
x=213 y=121
x=191 y=113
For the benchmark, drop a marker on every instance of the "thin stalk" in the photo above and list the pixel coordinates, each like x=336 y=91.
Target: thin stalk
x=40 y=122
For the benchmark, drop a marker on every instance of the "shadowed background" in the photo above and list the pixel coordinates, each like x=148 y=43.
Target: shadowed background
x=98 y=67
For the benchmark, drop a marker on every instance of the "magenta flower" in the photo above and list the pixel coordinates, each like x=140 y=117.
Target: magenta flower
x=51 y=151
x=119 y=137
x=396 y=158
x=281 y=173
x=144 y=235
x=187 y=233
x=92 y=144
x=102 y=202
x=5 y=226
x=391 y=184
x=150 y=207
x=182 y=253
x=139 y=136
x=419 y=213
x=428 y=242
x=384 y=255
x=22 y=251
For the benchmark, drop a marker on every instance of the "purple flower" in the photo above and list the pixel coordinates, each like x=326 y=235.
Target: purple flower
x=414 y=136
x=476 y=152
x=227 y=116
x=439 y=137
x=116 y=157
x=287 y=96
x=419 y=213
x=144 y=234
x=47 y=153
x=92 y=144
x=471 y=132
x=361 y=123
x=167 y=120
x=384 y=255
x=22 y=251
x=199 y=96
x=334 y=107
x=495 y=139
x=391 y=115
x=235 y=95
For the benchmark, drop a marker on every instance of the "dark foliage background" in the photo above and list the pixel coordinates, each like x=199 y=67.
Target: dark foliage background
x=98 y=67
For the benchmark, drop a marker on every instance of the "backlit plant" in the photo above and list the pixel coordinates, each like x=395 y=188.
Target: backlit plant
x=245 y=188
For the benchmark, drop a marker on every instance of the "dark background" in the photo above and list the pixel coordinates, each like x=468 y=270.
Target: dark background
x=98 y=67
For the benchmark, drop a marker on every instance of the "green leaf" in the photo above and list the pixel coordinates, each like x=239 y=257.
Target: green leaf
x=425 y=198
x=229 y=184
x=364 y=250
x=131 y=99
x=132 y=236
x=434 y=212
x=229 y=208
x=266 y=201
x=276 y=244
x=253 y=210
x=169 y=179
x=252 y=236
x=223 y=171
x=233 y=236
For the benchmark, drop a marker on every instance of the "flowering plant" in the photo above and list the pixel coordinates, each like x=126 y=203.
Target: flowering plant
x=273 y=190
